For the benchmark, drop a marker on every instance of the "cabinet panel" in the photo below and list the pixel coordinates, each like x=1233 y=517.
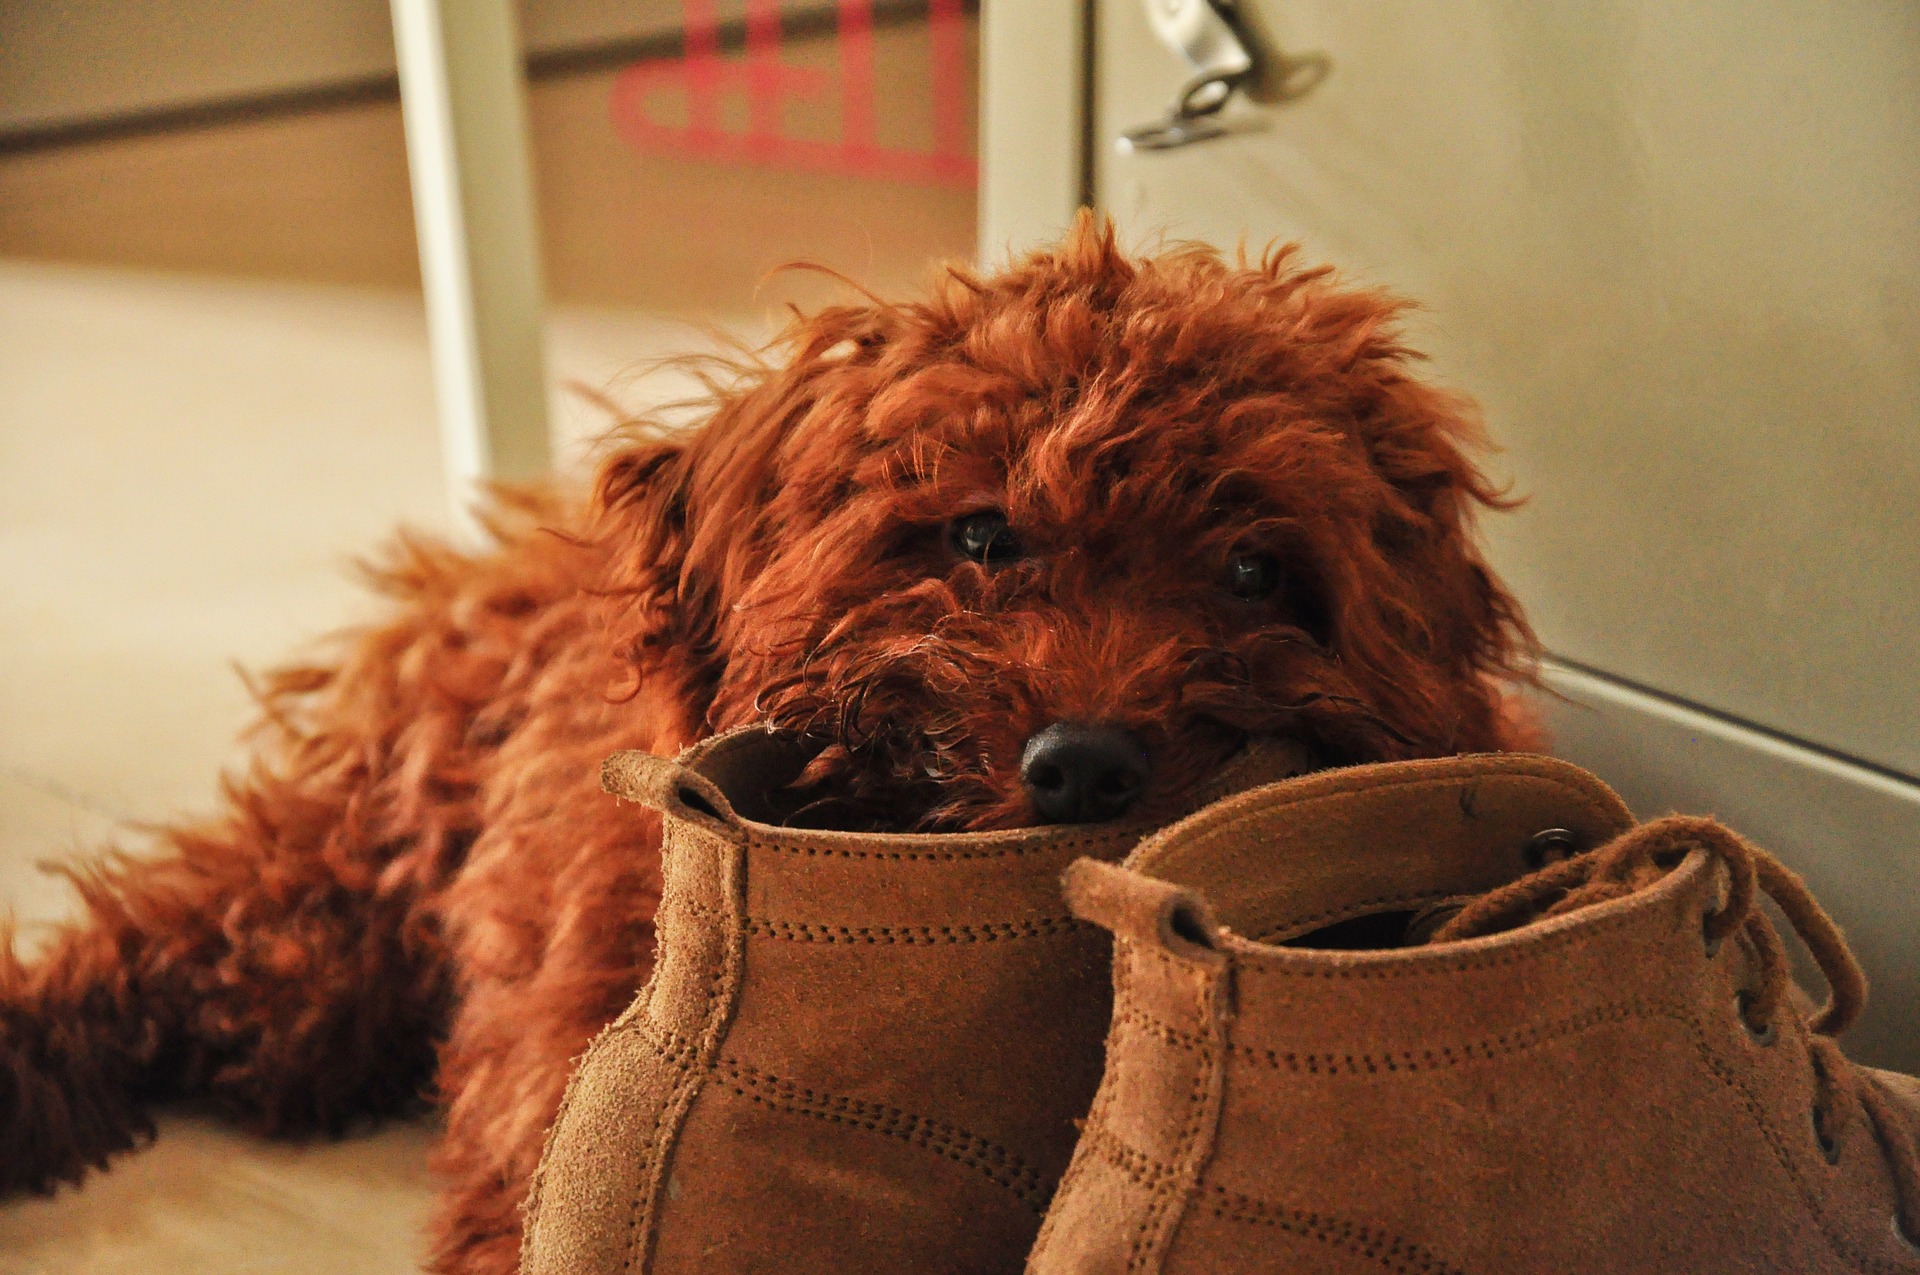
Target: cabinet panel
x=1675 y=253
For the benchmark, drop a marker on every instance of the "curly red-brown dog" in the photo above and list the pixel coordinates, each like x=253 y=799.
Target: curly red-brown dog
x=1047 y=545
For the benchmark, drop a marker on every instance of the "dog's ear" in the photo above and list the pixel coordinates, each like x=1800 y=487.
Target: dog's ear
x=1439 y=600
x=680 y=519
x=640 y=521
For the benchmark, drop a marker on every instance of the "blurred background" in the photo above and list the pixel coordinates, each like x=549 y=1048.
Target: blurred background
x=214 y=364
x=1673 y=251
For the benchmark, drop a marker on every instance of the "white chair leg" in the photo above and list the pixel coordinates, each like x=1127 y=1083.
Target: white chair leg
x=463 y=99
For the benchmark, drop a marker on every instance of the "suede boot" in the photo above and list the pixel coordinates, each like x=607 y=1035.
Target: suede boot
x=1489 y=1027
x=858 y=1052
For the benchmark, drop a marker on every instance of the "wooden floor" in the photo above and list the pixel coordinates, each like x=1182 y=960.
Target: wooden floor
x=188 y=466
x=214 y=393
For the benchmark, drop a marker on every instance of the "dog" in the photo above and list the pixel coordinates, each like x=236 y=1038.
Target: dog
x=1047 y=545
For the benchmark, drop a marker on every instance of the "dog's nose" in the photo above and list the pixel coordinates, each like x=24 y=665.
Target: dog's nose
x=1083 y=774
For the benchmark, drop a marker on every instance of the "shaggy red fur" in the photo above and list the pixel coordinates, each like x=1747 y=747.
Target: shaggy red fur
x=418 y=887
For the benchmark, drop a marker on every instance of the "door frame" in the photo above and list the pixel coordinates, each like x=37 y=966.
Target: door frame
x=1036 y=97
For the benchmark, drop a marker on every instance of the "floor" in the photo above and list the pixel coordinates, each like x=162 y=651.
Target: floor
x=188 y=466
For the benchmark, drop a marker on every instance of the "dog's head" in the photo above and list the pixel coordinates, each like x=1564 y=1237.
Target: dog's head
x=1053 y=543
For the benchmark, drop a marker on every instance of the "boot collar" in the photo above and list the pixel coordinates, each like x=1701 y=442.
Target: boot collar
x=725 y=782
x=1283 y=861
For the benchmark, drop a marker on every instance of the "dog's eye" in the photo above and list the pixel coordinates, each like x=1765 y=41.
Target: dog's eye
x=984 y=537
x=1252 y=576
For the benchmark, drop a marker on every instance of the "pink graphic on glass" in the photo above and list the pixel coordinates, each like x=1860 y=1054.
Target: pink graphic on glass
x=706 y=78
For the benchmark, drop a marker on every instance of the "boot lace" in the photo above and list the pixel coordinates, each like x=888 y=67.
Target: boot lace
x=1632 y=862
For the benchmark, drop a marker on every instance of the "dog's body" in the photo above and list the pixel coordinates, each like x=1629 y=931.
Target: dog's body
x=1181 y=501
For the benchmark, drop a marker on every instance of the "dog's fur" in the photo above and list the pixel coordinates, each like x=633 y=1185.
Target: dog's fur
x=417 y=886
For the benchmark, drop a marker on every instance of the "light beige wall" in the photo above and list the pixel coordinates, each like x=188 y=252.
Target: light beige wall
x=62 y=60
x=322 y=195
x=68 y=60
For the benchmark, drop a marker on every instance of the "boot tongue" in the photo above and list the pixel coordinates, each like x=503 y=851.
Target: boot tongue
x=1352 y=858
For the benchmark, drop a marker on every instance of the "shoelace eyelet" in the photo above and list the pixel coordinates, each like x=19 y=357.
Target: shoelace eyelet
x=1751 y=873
x=1549 y=845
x=1764 y=1034
x=1829 y=1145
x=1708 y=939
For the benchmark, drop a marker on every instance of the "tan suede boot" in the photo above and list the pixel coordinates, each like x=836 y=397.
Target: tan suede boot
x=857 y=1052
x=1491 y=1027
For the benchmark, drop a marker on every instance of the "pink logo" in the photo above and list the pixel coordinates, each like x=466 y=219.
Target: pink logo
x=705 y=79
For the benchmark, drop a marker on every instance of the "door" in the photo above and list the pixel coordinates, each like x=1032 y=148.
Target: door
x=1674 y=251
